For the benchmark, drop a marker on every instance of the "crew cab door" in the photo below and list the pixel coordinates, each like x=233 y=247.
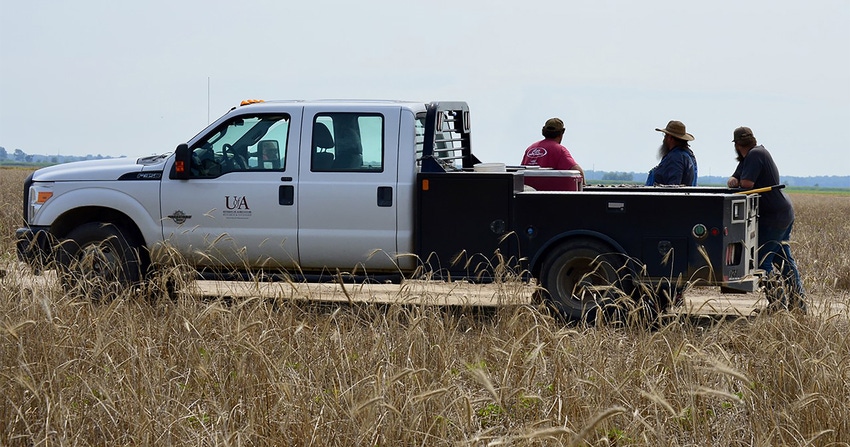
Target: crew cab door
x=348 y=198
x=238 y=208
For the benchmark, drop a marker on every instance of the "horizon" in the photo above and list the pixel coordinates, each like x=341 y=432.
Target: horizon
x=591 y=169
x=592 y=174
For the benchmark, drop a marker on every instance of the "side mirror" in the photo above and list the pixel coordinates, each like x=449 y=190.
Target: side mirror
x=269 y=151
x=182 y=162
x=267 y=155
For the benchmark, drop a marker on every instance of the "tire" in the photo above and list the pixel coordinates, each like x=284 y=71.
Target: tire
x=98 y=260
x=580 y=280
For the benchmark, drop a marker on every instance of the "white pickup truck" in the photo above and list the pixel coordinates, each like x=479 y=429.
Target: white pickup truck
x=379 y=190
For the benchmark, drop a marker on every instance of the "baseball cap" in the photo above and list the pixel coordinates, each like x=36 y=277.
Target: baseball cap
x=741 y=133
x=553 y=125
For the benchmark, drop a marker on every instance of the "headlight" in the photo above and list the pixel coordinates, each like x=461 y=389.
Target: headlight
x=39 y=194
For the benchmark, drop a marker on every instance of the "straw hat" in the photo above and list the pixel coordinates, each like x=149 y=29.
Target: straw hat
x=677 y=129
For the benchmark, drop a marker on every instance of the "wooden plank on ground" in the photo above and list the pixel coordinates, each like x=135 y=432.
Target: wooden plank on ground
x=408 y=292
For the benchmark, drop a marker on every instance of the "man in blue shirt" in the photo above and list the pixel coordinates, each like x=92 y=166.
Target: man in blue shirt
x=678 y=164
x=756 y=169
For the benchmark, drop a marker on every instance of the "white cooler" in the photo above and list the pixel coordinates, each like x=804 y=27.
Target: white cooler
x=553 y=180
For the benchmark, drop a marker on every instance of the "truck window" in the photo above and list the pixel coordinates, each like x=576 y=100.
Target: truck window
x=419 y=134
x=348 y=142
x=245 y=143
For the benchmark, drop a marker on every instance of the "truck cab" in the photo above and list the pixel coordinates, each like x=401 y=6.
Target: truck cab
x=291 y=184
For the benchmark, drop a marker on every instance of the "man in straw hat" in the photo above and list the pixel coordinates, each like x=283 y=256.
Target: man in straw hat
x=678 y=165
x=548 y=152
x=756 y=169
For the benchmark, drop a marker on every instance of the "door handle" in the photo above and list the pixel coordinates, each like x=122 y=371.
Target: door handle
x=286 y=195
x=385 y=196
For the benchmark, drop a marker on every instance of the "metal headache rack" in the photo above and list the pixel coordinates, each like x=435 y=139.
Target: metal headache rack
x=445 y=137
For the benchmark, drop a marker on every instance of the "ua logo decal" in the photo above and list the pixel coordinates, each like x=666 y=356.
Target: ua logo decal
x=236 y=203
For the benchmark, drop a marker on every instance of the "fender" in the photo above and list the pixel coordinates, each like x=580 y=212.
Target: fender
x=99 y=196
x=536 y=260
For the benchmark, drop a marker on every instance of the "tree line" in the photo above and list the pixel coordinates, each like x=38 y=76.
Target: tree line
x=19 y=156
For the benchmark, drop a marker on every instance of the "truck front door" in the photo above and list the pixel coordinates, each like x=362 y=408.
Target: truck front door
x=238 y=208
x=348 y=201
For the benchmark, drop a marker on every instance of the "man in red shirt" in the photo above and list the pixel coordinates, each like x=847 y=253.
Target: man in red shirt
x=548 y=152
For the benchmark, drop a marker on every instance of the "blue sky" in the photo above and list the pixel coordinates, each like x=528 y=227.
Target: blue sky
x=121 y=78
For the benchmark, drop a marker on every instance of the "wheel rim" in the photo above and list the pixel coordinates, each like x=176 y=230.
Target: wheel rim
x=583 y=282
x=100 y=261
x=98 y=270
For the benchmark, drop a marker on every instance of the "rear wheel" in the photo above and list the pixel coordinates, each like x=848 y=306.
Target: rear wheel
x=98 y=260
x=581 y=281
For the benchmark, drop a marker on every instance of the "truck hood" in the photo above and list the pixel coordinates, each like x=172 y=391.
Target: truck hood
x=97 y=170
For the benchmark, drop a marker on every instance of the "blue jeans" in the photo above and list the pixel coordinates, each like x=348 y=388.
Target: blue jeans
x=775 y=250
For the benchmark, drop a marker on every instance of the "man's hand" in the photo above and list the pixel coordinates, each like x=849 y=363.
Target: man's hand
x=732 y=182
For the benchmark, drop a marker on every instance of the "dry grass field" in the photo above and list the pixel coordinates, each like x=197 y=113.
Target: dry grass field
x=256 y=371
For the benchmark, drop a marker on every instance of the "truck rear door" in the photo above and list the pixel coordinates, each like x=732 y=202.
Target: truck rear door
x=348 y=178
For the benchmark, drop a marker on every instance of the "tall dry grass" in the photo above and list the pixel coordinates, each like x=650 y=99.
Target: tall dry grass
x=11 y=207
x=274 y=372
x=820 y=241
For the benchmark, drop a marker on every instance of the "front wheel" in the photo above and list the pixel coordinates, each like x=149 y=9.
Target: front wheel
x=580 y=280
x=98 y=260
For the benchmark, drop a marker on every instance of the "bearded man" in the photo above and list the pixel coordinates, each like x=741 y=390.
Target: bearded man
x=678 y=165
x=756 y=170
